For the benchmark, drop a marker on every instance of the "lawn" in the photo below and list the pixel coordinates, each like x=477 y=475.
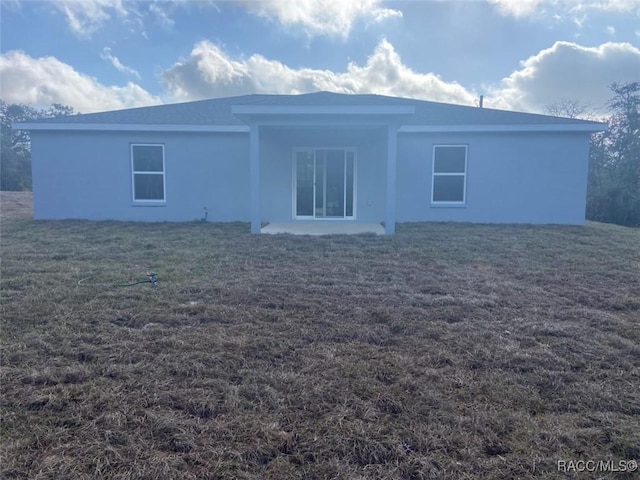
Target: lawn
x=449 y=351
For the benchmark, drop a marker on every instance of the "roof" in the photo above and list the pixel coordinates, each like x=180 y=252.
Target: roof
x=218 y=112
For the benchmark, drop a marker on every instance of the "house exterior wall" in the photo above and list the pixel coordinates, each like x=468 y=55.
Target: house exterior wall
x=87 y=175
x=276 y=168
x=511 y=178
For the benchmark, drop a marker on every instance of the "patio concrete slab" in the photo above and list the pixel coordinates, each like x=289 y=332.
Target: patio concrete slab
x=323 y=228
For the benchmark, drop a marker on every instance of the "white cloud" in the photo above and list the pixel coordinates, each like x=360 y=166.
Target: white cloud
x=12 y=5
x=517 y=8
x=568 y=71
x=162 y=17
x=210 y=72
x=85 y=17
x=43 y=81
x=564 y=71
x=611 y=30
x=575 y=8
x=606 y=5
x=322 y=17
x=111 y=58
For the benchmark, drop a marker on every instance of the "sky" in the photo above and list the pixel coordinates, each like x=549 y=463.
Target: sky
x=524 y=55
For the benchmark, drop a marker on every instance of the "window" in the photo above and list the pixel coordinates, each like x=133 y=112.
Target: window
x=449 y=174
x=147 y=167
x=324 y=183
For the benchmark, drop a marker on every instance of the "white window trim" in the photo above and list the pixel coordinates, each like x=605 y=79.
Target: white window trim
x=440 y=174
x=134 y=172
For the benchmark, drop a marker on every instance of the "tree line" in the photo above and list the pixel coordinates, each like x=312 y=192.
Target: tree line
x=613 y=193
x=15 y=153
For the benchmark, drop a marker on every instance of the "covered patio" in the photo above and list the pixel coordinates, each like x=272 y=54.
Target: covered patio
x=308 y=204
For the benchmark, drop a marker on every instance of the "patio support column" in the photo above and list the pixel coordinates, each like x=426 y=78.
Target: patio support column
x=254 y=174
x=392 y=151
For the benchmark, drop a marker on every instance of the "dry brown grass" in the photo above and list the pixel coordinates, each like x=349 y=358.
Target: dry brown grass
x=448 y=351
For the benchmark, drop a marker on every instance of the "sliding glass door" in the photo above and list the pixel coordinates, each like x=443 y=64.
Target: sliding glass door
x=324 y=183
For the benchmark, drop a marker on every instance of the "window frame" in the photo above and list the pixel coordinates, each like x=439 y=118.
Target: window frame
x=134 y=172
x=449 y=174
x=294 y=188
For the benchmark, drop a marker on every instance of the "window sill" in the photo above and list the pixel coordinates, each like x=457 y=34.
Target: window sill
x=149 y=204
x=448 y=205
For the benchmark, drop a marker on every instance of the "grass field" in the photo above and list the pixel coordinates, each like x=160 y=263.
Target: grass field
x=448 y=351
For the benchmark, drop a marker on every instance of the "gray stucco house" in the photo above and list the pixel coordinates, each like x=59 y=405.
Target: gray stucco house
x=320 y=157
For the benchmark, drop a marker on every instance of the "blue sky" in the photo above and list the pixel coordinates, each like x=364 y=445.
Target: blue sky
x=520 y=54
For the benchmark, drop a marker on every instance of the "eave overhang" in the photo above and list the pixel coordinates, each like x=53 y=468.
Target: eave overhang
x=313 y=120
x=552 y=127
x=111 y=127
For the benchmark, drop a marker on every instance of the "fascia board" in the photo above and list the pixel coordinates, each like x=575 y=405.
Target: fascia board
x=594 y=127
x=111 y=127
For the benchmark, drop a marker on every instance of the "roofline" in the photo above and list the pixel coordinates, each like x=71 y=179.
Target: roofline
x=137 y=127
x=109 y=127
x=553 y=127
x=323 y=110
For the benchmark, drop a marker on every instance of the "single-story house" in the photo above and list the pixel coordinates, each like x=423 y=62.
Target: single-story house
x=319 y=157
